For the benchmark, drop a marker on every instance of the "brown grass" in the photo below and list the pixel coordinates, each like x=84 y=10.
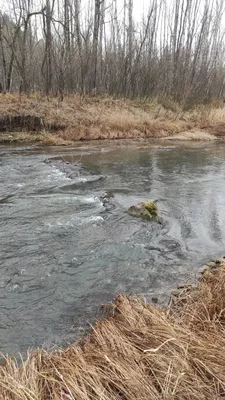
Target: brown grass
x=85 y=118
x=137 y=352
x=45 y=138
x=194 y=134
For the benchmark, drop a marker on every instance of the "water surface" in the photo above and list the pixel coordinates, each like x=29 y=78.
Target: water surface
x=63 y=253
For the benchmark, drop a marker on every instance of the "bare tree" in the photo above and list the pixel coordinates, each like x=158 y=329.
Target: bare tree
x=175 y=52
x=47 y=60
x=94 y=57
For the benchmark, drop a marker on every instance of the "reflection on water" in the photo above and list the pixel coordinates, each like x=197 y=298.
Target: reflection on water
x=63 y=253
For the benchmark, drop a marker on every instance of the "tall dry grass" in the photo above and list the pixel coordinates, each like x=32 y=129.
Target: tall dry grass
x=85 y=118
x=136 y=352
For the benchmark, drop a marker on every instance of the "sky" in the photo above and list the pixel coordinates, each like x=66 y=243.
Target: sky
x=138 y=5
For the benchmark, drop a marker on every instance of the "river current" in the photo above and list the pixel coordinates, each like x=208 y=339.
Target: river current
x=64 y=252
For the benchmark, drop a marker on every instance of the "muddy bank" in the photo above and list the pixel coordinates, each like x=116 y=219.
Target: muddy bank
x=49 y=121
x=138 y=351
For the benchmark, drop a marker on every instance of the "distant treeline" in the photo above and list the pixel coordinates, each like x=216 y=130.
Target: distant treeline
x=176 y=51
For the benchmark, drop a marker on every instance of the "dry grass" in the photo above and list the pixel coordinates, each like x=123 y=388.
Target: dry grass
x=85 y=118
x=137 y=352
x=45 y=138
x=196 y=135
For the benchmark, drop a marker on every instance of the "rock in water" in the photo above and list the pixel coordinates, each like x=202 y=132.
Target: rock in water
x=106 y=199
x=146 y=210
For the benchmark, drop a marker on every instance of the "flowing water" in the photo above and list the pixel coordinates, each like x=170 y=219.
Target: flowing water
x=64 y=252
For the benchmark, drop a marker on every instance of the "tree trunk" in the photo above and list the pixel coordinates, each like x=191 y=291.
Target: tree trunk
x=94 y=58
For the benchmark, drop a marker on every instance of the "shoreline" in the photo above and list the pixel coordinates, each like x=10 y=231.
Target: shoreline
x=49 y=139
x=137 y=351
x=39 y=120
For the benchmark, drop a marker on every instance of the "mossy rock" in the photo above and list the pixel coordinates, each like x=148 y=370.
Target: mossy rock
x=146 y=210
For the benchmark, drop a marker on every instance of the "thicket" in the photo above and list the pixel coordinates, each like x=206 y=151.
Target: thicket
x=175 y=52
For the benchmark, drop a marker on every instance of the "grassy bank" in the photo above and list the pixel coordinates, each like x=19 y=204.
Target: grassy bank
x=136 y=352
x=38 y=119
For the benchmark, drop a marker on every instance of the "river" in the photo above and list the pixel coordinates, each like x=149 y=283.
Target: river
x=64 y=253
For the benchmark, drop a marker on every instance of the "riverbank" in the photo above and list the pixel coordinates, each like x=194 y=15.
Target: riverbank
x=51 y=122
x=138 y=351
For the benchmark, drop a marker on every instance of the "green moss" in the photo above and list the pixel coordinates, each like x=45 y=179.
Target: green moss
x=151 y=207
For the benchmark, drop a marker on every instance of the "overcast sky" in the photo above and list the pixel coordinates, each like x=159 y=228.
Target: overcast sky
x=139 y=5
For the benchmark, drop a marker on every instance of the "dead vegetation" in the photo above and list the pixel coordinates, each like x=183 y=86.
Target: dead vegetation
x=137 y=352
x=36 y=118
x=194 y=134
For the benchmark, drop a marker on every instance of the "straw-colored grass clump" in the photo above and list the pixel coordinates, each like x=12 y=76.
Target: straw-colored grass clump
x=196 y=135
x=137 y=352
